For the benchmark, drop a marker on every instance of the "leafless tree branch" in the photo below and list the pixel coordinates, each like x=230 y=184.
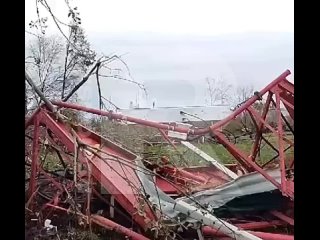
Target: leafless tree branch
x=140 y=85
x=98 y=85
x=116 y=107
x=36 y=89
x=219 y=91
x=84 y=79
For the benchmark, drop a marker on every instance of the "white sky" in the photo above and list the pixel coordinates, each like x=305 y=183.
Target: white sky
x=178 y=43
x=204 y=17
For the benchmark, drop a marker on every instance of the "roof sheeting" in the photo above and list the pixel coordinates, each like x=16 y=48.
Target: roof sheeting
x=248 y=184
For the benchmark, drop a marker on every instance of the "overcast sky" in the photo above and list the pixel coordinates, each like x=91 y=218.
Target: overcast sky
x=172 y=46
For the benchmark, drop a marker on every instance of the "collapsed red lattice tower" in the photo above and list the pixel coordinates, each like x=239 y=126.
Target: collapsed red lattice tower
x=278 y=93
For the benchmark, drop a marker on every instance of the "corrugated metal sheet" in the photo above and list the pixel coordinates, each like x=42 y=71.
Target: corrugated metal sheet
x=248 y=184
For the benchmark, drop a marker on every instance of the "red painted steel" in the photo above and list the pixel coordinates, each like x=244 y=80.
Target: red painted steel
x=192 y=179
x=281 y=147
x=121 y=117
x=283 y=217
x=108 y=224
x=259 y=225
x=104 y=171
x=243 y=158
x=29 y=120
x=35 y=153
x=251 y=101
x=258 y=138
x=167 y=187
x=208 y=231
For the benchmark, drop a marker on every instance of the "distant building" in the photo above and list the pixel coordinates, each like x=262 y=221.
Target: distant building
x=194 y=114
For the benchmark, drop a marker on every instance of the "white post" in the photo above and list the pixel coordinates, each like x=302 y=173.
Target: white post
x=210 y=159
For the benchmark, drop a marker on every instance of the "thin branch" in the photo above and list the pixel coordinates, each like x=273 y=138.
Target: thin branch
x=140 y=85
x=84 y=79
x=55 y=51
x=46 y=5
x=40 y=94
x=31 y=63
x=31 y=33
x=125 y=64
x=39 y=19
x=110 y=102
x=65 y=68
x=98 y=84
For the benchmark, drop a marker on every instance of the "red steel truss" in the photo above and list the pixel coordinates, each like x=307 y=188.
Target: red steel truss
x=276 y=95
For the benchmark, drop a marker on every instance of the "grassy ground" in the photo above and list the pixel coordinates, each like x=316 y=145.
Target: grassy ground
x=217 y=151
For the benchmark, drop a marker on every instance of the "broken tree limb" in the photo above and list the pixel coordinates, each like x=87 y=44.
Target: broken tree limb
x=99 y=88
x=84 y=79
x=39 y=93
x=115 y=106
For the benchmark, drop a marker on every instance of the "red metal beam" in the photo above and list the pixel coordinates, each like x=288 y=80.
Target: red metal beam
x=108 y=224
x=257 y=142
x=241 y=156
x=30 y=120
x=259 y=225
x=259 y=118
x=166 y=137
x=118 y=116
x=283 y=217
x=288 y=86
x=248 y=163
x=187 y=176
x=251 y=101
x=286 y=92
x=114 y=184
x=280 y=143
x=209 y=231
x=35 y=153
x=58 y=130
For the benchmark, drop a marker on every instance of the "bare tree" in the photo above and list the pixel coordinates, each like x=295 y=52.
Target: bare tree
x=240 y=95
x=219 y=91
x=243 y=93
x=78 y=56
x=44 y=66
x=74 y=63
x=55 y=66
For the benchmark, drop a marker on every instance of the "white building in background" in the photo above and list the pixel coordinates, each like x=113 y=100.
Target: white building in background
x=179 y=114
